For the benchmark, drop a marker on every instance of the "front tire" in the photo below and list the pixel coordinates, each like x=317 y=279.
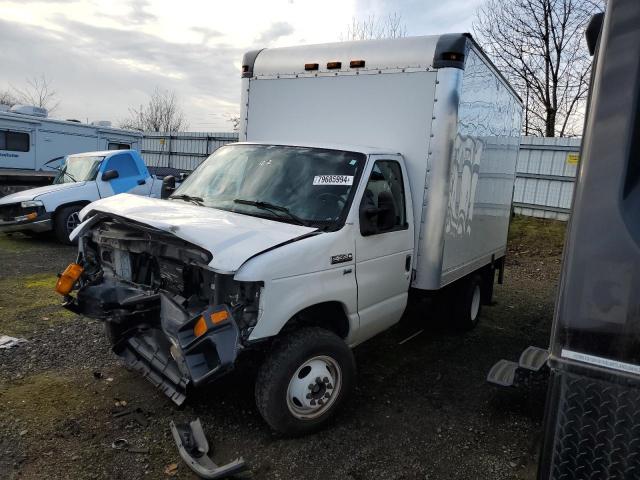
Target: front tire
x=66 y=219
x=304 y=380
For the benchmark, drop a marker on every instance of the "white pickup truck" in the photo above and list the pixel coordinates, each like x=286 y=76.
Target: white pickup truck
x=300 y=242
x=81 y=179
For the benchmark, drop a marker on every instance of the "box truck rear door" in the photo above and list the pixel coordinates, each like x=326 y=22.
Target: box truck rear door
x=384 y=246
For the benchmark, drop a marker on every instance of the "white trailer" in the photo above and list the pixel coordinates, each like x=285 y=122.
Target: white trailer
x=32 y=146
x=369 y=171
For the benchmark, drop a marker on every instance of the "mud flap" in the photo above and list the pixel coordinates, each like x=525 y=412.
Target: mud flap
x=194 y=448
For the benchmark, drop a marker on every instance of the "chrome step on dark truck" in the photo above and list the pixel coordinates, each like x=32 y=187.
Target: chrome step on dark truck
x=505 y=373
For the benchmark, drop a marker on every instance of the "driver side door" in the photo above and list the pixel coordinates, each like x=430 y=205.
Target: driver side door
x=129 y=179
x=384 y=245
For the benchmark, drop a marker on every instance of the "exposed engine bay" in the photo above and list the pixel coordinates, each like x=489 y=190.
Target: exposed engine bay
x=167 y=315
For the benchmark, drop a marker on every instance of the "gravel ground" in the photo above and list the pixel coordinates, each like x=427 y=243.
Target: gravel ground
x=422 y=410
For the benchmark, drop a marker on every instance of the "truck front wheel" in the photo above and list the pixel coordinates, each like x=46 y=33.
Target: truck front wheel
x=65 y=220
x=304 y=380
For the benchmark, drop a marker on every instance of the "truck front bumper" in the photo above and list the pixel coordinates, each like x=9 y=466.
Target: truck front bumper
x=180 y=350
x=41 y=223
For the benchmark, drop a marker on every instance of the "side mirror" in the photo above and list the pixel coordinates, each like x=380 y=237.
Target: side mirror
x=110 y=175
x=168 y=186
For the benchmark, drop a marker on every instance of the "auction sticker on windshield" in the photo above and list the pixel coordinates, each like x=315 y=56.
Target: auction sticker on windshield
x=333 y=180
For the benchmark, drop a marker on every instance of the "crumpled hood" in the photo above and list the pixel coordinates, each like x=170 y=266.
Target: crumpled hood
x=231 y=238
x=34 y=193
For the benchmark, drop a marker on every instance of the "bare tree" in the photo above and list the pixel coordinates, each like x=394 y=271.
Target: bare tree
x=235 y=122
x=539 y=46
x=37 y=91
x=373 y=27
x=7 y=98
x=162 y=113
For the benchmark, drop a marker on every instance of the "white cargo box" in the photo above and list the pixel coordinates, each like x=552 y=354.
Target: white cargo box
x=437 y=100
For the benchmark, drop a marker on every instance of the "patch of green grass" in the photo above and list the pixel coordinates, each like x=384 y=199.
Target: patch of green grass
x=43 y=399
x=13 y=244
x=28 y=303
x=536 y=235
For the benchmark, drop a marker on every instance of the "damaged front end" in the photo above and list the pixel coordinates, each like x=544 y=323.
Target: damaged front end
x=167 y=315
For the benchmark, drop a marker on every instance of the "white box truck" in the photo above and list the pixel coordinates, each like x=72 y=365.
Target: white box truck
x=369 y=170
x=33 y=146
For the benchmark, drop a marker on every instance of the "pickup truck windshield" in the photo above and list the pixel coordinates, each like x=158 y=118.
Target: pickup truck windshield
x=78 y=169
x=305 y=185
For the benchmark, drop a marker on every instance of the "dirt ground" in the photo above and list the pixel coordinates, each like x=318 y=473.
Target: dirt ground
x=422 y=409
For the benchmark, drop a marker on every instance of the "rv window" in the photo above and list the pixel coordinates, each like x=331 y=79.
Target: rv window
x=118 y=146
x=14 y=141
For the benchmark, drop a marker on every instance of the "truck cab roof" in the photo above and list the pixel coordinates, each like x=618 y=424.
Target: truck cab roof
x=102 y=153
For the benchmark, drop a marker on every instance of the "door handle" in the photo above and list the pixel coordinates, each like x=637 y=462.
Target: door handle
x=407 y=263
x=142 y=181
x=347 y=271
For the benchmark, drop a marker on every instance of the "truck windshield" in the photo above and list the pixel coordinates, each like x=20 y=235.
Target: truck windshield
x=78 y=169
x=300 y=185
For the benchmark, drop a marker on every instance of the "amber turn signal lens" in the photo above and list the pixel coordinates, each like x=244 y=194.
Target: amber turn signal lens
x=68 y=278
x=31 y=216
x=200 y=327
x=219 y=317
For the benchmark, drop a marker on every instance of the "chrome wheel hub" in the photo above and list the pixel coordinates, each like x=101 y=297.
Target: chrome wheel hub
x=314 y=387
x=73 y=221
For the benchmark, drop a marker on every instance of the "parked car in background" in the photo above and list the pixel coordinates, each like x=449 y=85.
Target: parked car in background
x=83 y=178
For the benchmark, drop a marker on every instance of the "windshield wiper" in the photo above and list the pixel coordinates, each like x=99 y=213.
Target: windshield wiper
x=274 y=208
x=189 y=198
x=64 y=172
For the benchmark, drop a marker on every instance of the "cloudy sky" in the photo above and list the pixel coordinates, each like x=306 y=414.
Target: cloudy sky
x=104 y=56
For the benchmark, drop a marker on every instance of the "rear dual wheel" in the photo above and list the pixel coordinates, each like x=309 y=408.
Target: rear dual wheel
x=467 y=303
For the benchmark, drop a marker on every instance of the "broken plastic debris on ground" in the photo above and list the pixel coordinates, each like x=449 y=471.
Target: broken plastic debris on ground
x=7 y=342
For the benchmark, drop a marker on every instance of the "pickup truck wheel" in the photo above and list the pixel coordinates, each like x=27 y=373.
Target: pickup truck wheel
x=468 y=303
x=65 y=221
x=304 y=380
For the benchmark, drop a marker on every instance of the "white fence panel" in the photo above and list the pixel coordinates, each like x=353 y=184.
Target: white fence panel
x=545 y=177
x=183 y=150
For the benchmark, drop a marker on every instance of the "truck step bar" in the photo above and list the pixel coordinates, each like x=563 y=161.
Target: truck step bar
x=532 y=362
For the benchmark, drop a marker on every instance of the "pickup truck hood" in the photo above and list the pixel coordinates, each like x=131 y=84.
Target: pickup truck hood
x=34 y=193
x=231 y=238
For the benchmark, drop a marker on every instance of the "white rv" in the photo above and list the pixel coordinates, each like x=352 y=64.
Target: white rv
x=33 y=146
x=368 y=170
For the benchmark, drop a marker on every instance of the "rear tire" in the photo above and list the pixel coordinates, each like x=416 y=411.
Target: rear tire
x=467 y=303
x=66 y=219
x=304 y=380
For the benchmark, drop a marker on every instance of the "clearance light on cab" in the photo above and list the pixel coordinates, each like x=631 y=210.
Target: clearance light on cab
x=68 y=279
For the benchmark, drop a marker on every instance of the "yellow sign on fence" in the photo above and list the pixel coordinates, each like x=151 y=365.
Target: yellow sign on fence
x=573 y=158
